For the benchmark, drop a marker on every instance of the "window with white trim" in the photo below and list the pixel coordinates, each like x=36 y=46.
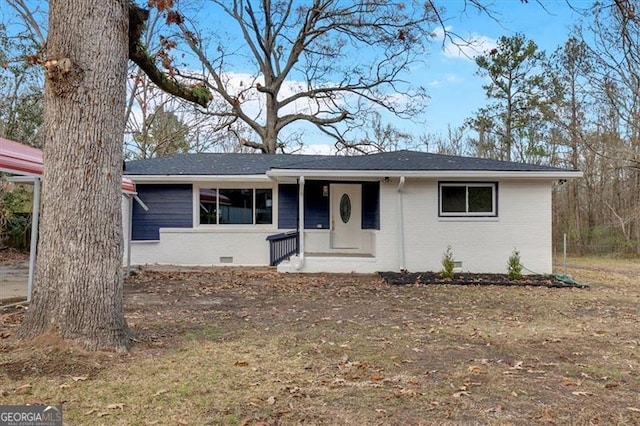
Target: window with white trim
x=236 y=206
x=468 y=199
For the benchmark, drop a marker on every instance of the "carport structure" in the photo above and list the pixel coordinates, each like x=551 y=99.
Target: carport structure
x=27 y=163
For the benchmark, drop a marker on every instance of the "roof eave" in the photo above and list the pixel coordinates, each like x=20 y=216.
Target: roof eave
x=448 y=174
x=195 y=178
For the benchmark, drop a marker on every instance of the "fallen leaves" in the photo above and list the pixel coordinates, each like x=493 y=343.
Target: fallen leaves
x=117 y=406
x=547 y=416
x=24 y=389
x=388 y=354
x=570 y=382
x=474 y=369
x=405 y=392
x=517 y=366
x=106 y=411
x=12 y=319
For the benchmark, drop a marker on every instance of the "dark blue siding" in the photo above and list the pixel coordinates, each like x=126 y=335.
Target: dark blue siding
x=316 y=205
x=371 y=205
x=170 y=206
x=288 y=206
x=316 y=209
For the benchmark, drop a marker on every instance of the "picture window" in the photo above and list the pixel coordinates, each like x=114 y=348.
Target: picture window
x=235 y=206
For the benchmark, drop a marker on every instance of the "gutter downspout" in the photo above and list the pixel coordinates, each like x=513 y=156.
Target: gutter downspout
x=401 y=223
x=35 y=220
x=298 y=261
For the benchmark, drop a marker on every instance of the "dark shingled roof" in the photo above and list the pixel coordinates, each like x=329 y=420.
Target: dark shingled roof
x=212 y=164
x=257 y=164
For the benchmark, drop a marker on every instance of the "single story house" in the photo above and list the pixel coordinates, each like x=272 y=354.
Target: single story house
x=389 y=211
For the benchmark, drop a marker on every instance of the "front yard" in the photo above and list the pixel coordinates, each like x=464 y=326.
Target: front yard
x=250 y=346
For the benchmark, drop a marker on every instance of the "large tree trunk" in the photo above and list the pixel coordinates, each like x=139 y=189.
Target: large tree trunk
x=78 y=283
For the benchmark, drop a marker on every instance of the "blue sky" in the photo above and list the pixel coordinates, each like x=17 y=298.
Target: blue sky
x=455 y=91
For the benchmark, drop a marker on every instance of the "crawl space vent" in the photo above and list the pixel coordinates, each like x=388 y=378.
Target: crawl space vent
x=226 y=259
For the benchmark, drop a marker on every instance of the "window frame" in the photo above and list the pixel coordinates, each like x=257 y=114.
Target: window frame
x=239 y=186
x=467 y=185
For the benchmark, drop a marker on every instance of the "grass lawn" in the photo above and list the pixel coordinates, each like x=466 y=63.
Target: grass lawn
x=250 y=346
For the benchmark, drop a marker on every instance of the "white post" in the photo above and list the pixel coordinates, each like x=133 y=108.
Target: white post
x=298 y=261
x=301 y=216
x=35 y=220
x=401 y=223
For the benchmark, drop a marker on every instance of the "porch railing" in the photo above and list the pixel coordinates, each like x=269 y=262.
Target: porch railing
x=282 y=246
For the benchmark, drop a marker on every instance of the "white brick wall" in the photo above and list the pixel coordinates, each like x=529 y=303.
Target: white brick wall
x=204 y=247
x=481 y=244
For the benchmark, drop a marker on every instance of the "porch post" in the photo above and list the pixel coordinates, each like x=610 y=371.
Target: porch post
x=129 y=231
x=401 y=223
x=35 y=219
x=301 y=216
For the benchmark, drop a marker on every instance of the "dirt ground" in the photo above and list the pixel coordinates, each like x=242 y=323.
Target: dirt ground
x=251 y=346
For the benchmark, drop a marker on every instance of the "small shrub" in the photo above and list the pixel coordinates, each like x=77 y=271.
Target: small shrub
x=12 y=222
x=514 y=266
x=447 y=263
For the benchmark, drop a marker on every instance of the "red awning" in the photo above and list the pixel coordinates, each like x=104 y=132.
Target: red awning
x=128 y=186
x=20 y=159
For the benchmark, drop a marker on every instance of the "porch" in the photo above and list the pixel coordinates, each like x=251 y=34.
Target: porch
x=284 y=246
x=285 y=254
x=334 y=221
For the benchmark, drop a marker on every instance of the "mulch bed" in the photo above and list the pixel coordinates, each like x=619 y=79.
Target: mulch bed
x=431 y=278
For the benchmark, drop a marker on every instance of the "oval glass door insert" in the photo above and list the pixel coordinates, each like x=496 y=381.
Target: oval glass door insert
x=345 y=208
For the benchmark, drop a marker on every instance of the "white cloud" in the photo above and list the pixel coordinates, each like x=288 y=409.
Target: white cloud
x=318 y=149
x=446 y=79
x=452 y=78
x=462 y=46
x=469 y=47
x=438 y=33
x=252 y=100
x=243 y=86
x=399 y=99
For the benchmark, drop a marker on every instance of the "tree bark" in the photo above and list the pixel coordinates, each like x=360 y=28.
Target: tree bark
x=78 y=283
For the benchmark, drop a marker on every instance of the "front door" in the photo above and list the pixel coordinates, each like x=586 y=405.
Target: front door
x=346 y=216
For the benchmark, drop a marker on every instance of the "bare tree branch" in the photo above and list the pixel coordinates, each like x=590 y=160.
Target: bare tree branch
x=303 y=67
x=137 y=53
x=28 y=16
